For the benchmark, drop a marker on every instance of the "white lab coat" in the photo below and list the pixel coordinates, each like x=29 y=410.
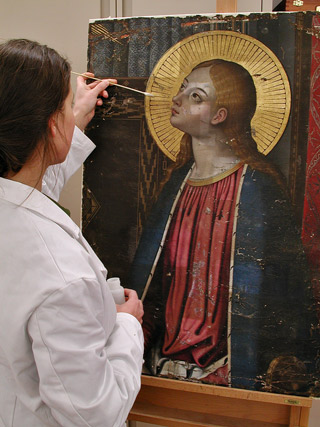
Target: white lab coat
x=66 y=357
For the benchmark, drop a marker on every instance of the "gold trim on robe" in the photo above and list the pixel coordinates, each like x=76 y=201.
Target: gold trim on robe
x=212 y=179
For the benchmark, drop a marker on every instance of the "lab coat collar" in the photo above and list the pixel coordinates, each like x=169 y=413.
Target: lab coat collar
x=29 y=198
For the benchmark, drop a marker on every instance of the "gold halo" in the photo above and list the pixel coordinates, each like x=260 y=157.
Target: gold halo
x=269 y=76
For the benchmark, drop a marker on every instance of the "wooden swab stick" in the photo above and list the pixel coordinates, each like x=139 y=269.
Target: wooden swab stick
x=113 y=84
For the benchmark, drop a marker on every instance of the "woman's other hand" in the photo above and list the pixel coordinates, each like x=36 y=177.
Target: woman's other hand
x=86 y=98
x=132 y=305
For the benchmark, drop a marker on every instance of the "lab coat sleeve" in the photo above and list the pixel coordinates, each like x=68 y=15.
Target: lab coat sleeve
x=89 y=358
x=56 y=176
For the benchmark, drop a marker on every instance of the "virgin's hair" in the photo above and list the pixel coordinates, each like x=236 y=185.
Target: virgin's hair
x=235 y=91
x=34 y=83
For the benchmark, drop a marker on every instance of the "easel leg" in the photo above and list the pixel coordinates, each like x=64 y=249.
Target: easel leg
x=295 y=416
x=304 y=417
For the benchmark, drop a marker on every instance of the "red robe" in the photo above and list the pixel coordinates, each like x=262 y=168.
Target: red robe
x=197 y=269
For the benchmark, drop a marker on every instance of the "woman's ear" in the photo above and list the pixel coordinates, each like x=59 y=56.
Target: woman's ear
x=52 y=126
x=219 y=116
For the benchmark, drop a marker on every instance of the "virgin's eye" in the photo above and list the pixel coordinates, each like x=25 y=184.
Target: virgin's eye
x=195 y=97
x=182 y=87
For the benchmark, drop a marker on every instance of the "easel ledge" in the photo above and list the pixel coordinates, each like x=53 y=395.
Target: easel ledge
x=176 y=403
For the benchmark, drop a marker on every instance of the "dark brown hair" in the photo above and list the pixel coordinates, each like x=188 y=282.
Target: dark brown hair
x=235 y=91
x=34 y=83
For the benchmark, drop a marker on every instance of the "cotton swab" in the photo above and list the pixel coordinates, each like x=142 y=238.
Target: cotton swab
x=113 y=84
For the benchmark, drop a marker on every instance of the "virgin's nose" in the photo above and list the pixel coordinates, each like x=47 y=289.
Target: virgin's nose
x=177 y=99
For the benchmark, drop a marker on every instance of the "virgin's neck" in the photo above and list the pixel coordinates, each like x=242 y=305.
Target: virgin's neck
x=212 y=157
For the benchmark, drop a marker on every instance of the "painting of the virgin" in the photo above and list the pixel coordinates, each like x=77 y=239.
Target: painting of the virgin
x=218 y=258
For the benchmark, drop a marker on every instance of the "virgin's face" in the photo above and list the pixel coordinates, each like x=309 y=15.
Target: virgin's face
x=194 y=105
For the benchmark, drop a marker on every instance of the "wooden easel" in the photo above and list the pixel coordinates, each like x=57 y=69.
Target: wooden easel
x=182 y=404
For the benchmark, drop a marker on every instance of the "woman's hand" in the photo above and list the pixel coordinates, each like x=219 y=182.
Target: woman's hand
x=132 y=305
x=86 y=99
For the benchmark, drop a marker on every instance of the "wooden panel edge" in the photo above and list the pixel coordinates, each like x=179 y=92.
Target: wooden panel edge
x=232 y=393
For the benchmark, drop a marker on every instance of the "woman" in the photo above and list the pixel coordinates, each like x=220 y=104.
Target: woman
x=66 y=356
x=229 y=274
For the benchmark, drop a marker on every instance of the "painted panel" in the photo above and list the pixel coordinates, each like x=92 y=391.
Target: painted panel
x=204 y=196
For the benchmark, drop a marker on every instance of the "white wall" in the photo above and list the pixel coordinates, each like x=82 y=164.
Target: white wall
x=169 y=7
x=176 y=7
